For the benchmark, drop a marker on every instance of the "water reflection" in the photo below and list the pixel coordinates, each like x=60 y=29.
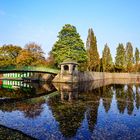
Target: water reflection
x=31 y=108
x=74 y=111
x=76 y=103
x=10 y=89
x=24 y=97
x=127 y=98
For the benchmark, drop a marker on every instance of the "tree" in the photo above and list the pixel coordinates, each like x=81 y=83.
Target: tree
x=50 y=61
x=120 y=58
x=137 y=56
x=69 y=46
x=8 y=55
x=129 y=56
x=93 y=55
x=25 y=58
x=32 y=54
x=137 y=59
x=107 y=62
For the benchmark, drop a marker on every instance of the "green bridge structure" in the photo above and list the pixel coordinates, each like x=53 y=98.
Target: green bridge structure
x=28 y=71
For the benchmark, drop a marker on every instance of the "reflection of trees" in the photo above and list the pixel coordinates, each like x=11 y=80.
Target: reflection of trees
x=16 y=93
x=70 y=107
x=130 y=99
x=121 y=98
x=92 y=108
x=125 y=98
x=31 y=108
x=137 y=97
x=107 y=94
x=16 y=99
x=70 y=113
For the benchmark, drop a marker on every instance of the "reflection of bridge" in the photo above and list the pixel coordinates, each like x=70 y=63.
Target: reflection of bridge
x=10 y=84
x=14 y=90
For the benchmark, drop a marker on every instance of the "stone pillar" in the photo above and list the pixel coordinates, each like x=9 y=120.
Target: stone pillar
x=62 y=96
x=70 y=68
x=76 y=68
x=62 y=69
x=70 y=96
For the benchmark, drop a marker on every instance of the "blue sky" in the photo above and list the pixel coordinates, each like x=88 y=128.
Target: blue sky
x=113 y=21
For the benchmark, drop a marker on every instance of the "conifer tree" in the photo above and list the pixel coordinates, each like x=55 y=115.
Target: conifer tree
x=93 y=55
x=69 y=46
x=137 y=59
x=129 y=56
x=107 y=59
x=120 y=58
x=137 y=56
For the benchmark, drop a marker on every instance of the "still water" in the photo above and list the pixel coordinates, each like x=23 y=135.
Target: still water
x=99 y=110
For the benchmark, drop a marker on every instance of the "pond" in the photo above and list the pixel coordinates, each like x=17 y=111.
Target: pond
x=99 y=110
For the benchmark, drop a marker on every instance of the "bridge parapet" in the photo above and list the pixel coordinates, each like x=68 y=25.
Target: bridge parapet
x=29 y=69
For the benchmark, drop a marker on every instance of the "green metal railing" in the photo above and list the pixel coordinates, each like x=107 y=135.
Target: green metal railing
x=31 y=68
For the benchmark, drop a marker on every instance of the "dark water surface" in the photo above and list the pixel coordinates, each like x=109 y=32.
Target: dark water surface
x=96 y=110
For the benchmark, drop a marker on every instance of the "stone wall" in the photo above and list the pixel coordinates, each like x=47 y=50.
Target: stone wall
x=92 y=76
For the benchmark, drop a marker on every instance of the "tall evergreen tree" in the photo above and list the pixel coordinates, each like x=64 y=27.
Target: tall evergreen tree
x=69 y=46
x=137 y=59
x=137 y=56
x=93 y=55
x=129 y=56
x=120 y=58
x=107 y=59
